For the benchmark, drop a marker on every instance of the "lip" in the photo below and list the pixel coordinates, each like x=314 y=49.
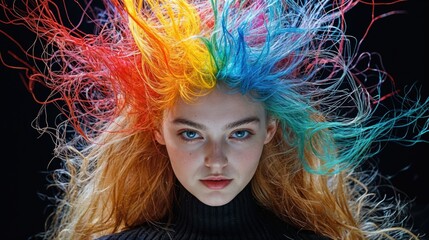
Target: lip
x=216 y=183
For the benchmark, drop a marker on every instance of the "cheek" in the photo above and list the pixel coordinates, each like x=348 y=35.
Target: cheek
x=182 y=160
x=246 y=159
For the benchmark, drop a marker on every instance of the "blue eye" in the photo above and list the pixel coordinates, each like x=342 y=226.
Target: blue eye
x=190 y=135
x=241 y=134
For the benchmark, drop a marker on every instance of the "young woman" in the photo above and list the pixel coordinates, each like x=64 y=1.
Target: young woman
x=217 y=120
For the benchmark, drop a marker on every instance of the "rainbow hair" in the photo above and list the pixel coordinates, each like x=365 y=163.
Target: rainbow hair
x=294 y=57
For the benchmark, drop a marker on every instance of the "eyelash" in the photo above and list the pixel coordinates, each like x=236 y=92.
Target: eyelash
x=182 y=134
x=247 y=134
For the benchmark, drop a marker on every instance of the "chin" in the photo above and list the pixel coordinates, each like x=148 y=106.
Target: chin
x=216 y=201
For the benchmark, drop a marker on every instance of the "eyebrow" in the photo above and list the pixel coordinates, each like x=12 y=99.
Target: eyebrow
x=228 y=126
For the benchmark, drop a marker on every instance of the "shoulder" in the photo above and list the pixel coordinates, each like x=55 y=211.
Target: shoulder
x=286 y=230
x=146 y=231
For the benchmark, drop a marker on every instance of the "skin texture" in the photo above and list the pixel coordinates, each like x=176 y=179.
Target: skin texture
x=215 y=144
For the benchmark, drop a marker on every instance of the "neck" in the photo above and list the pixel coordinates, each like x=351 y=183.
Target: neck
x=242 y=217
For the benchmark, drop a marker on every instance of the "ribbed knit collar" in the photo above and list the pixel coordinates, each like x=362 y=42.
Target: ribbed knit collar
x=242 y=218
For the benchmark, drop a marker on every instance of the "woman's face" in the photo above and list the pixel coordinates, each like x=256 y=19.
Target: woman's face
x=215 y=144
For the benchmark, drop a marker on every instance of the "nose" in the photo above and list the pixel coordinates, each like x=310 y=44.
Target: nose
x=215 y=156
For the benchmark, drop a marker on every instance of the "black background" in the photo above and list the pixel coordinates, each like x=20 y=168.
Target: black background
x=400 y=39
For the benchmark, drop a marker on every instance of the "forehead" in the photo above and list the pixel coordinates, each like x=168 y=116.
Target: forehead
x=217 y=105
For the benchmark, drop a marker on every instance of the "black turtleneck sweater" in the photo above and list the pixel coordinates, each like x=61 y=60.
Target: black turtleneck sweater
x=242 y=218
